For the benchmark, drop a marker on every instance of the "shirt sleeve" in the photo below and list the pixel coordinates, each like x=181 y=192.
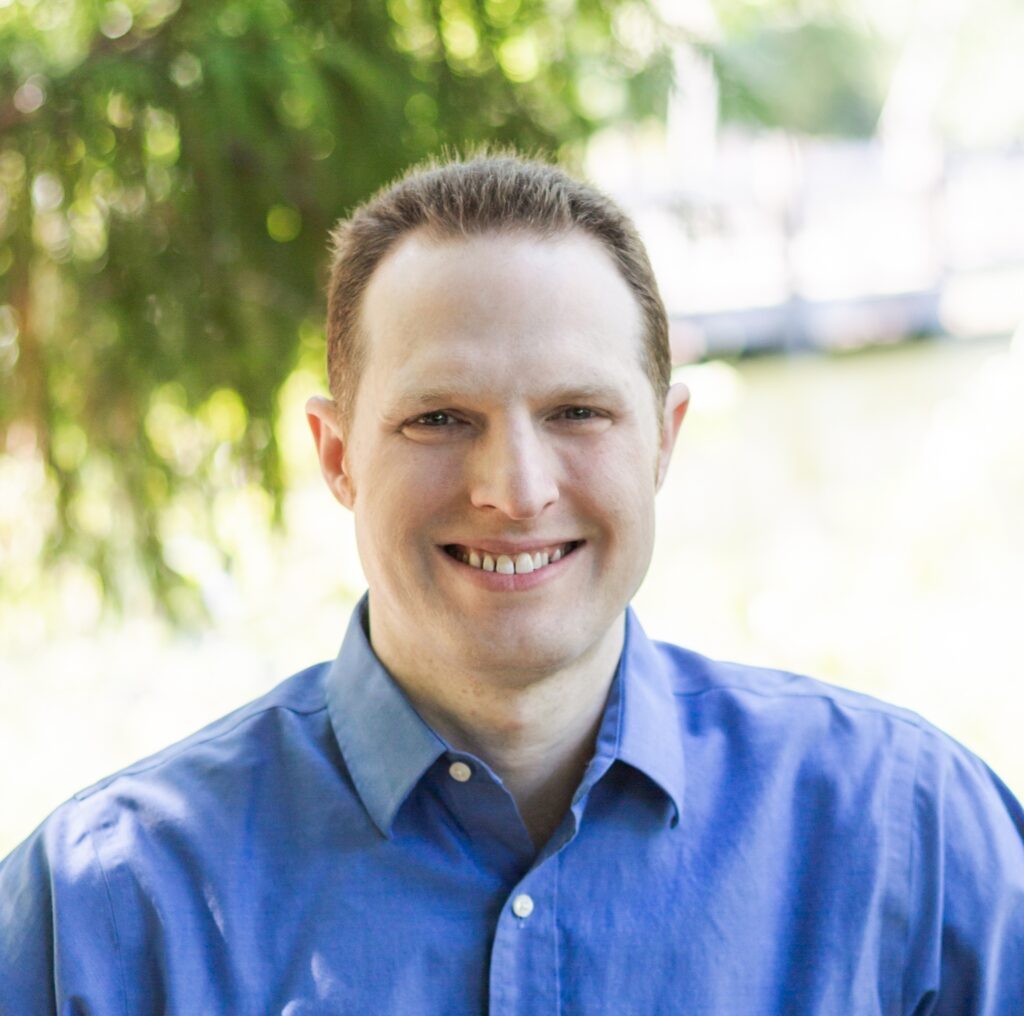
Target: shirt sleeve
x=58 y=948
x=966 y=945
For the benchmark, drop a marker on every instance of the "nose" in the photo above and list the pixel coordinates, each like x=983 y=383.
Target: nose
x=513 y=471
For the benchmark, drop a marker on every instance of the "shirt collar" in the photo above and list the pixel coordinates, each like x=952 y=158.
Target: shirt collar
x=641 y=724
x=387 y=747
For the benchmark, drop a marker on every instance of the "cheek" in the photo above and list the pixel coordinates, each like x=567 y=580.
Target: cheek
x=409 y=496
x=616 y=478
x=402 y=478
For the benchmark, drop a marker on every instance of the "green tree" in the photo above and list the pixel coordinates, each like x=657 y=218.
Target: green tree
x=824 y=75
x=168 y=175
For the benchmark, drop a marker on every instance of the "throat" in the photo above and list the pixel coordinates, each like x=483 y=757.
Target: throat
x=539 y=749
x=544 y=805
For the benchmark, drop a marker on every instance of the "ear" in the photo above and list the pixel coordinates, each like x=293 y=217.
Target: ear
x=676 y=403
x=325 y=424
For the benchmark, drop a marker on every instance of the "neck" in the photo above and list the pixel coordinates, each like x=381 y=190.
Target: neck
x=536 y=731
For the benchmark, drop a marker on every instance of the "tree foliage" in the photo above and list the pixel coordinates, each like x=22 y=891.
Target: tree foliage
x=168 y=175
x=819 y=76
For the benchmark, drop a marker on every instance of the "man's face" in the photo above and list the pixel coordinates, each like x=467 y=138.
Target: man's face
x=503 y=420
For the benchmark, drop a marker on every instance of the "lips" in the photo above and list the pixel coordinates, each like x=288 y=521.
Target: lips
x=514 y=562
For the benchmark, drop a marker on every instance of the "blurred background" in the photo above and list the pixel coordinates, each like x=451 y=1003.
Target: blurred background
x=832 y=194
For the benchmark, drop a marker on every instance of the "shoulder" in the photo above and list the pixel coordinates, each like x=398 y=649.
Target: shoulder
x=133 y=844
x=832 y=734
x=793 y=711
x=694 y=676
x=944 y=827
x=214 y=778
x=229 y=737
x=190 y=782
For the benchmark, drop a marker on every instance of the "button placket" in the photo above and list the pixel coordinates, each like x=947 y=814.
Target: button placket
x=524 y=953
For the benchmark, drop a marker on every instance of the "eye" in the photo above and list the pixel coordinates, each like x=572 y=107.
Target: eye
x=582 y=421
x=435 y=419
x=578 y=413
x=439 y=425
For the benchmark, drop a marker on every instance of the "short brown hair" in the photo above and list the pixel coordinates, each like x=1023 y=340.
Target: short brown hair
x=482 y=194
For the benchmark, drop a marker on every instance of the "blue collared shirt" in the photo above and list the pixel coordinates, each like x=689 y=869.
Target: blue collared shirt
x=744 y=842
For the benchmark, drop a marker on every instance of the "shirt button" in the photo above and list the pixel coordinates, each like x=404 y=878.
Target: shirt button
x=460 y=772
x=522 y=905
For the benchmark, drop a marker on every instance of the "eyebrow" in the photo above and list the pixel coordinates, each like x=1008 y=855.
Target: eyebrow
x=575 y=394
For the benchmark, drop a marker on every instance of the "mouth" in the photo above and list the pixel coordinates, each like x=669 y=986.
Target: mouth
x=521 y=563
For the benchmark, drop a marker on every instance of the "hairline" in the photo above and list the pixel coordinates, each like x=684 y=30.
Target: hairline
x=487 y=190
x=438 y=234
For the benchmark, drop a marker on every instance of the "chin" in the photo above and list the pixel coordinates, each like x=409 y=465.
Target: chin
x=505 y=645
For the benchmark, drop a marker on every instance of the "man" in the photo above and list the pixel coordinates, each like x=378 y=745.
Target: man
x=501 y=797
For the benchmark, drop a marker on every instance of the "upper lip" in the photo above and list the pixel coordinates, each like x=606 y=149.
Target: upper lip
x=507 y=546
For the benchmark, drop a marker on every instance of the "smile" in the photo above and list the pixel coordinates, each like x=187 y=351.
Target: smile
x=522 y=563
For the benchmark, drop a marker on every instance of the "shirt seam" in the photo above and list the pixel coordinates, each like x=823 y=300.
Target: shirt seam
x=912 y=851
x=556 y=934
x=139 y=769
x=108 y=892
x=875 y=710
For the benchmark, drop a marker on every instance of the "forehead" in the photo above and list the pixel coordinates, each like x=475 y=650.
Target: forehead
x=498 y=308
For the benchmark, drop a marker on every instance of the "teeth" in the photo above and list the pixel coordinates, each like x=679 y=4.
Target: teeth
x=522 y=564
